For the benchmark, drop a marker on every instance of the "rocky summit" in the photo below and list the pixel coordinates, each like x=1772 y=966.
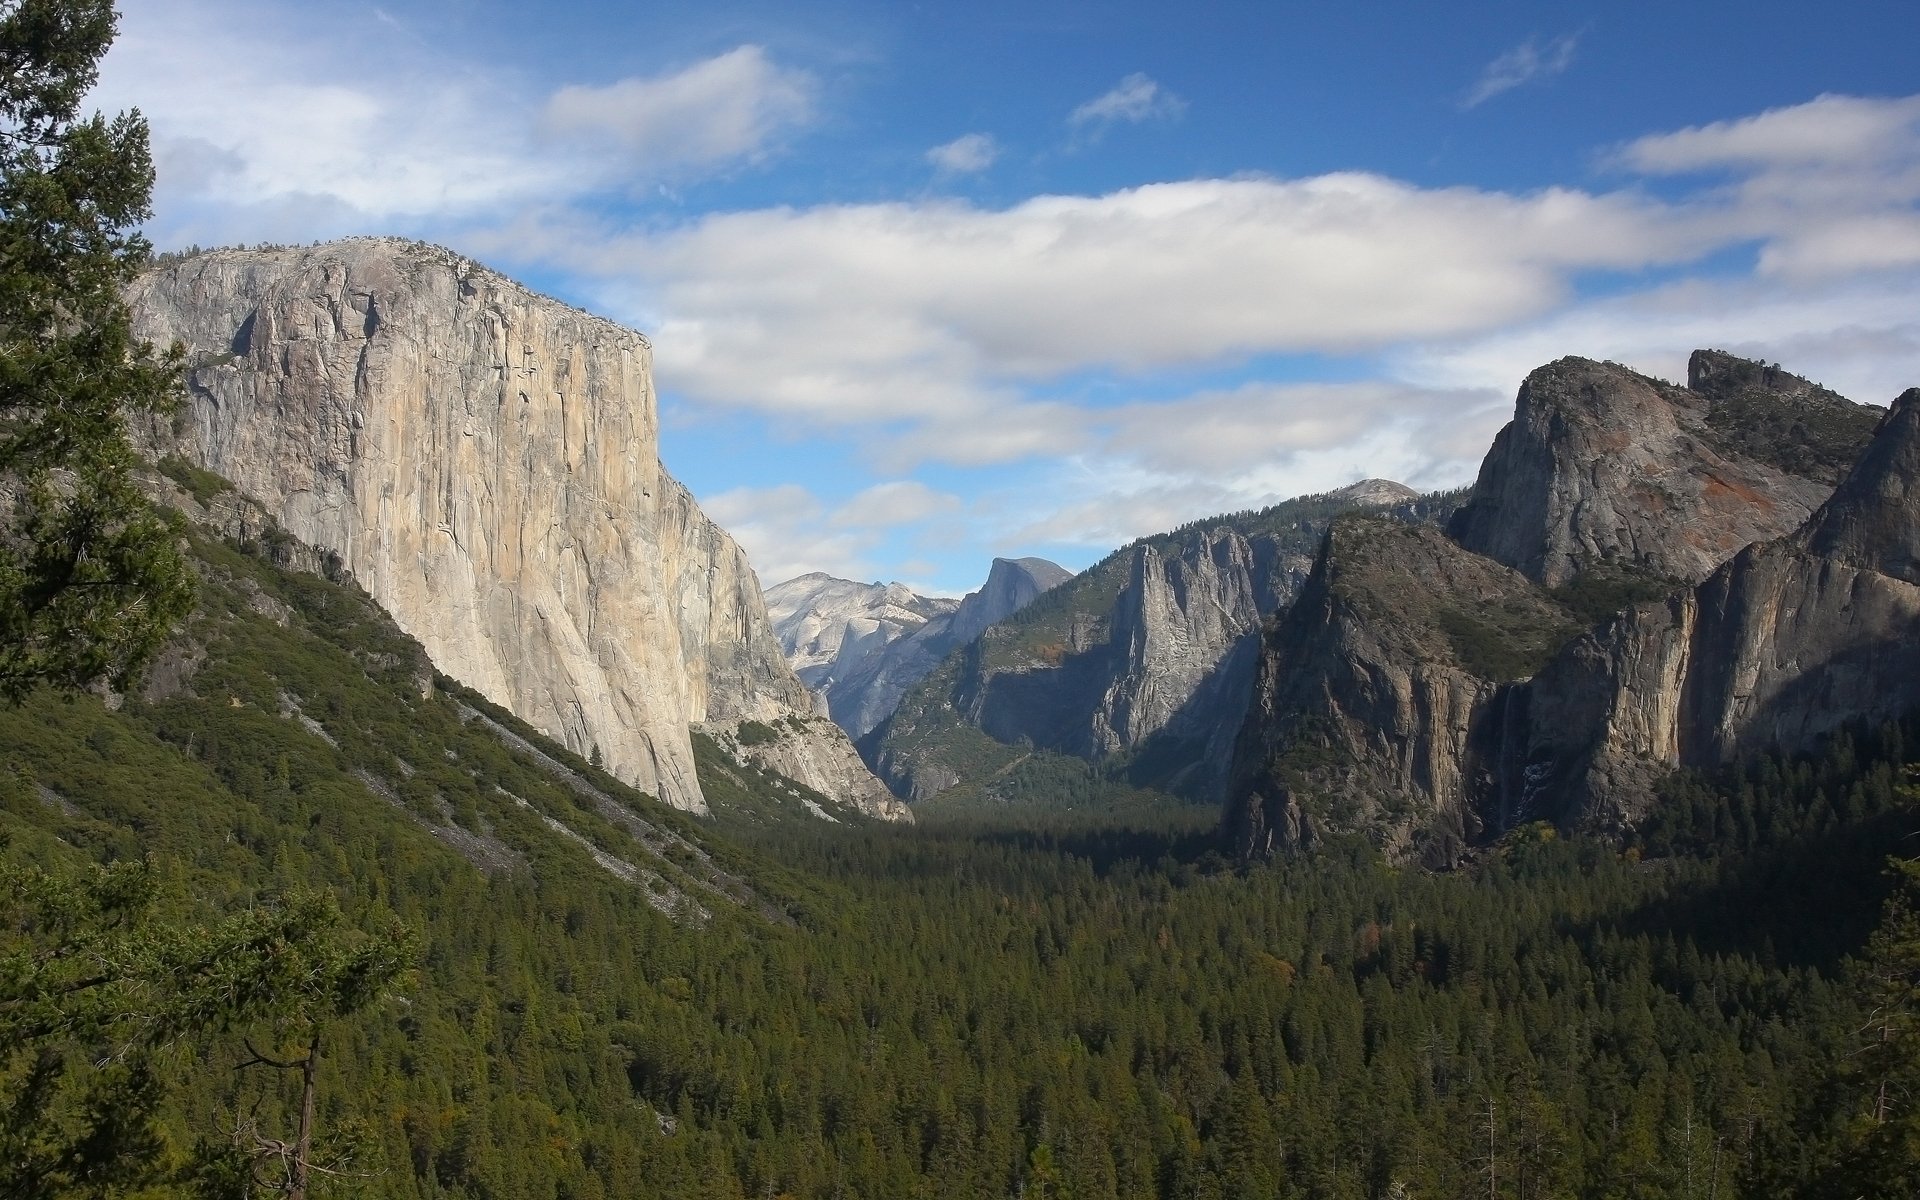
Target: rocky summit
x=861 y=646
x=484 y=461
x=1645 y=576
x=1791 y=640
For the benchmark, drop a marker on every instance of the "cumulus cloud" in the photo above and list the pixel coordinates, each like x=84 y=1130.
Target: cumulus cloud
x=1151 y=466
x=940 y=331
x=259 y=133
x=1860 y=337
x=968 y=154
x=943 y=313
x=788 y=530
x=1531 y=60
x=262 y=131
x=1133 y=100
x=1253 y=426
x=899 y=502
x=725 y=109
x=1826 y=131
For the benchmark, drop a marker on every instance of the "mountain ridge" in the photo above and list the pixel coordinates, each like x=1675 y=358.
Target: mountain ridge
x=1613 y=501
x=876 y=657
x=1143 y=657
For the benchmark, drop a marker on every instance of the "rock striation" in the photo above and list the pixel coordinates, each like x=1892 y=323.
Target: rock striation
x=861 y=646
x=1600 y=464
x=1644 y=576
x=485 y=462
x=1378 y=697
x=1789 y=641
x=1147 y=657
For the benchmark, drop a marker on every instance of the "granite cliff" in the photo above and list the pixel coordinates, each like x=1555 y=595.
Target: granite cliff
x=1143 y=661
x=484 y=461
x=861 y=646
x=1536 y=661
x=1787 y=642
x=1603 y=465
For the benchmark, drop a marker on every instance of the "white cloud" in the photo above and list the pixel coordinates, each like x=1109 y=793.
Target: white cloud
x=1218 y=434
x=785 y=532
x=719 y=111
x=1529 y=61
x=261 y=133
x=1829 y=187
x=1133 y=100
x=968 y=154
x=899 y=502
x=937 y=331
x=788 y=530
x=1826 y=131
x=1860 y=337
x=1152 y=466
x=939 y=314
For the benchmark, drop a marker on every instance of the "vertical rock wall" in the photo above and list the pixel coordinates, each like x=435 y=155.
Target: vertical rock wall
x=485 y=461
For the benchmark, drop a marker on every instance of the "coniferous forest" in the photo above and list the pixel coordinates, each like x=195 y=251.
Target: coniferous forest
x=285 y=912
x=1055 y=1005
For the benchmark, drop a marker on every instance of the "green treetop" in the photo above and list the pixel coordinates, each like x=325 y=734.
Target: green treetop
x=90 y=577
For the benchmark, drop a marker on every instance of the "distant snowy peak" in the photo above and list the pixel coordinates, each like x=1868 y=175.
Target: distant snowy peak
x=862 y=645
x=819 y=619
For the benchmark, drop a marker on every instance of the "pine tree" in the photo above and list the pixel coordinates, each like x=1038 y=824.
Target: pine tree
x=1880 y=1151
x=91 y=578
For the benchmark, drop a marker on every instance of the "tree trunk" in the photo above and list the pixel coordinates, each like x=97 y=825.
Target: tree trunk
x=303 y=1140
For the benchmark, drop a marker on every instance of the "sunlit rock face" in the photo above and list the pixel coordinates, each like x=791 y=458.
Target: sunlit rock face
x=485 y=462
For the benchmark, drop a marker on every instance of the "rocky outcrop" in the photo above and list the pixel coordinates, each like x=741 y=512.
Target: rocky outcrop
x=1602 y=465
x=1381 y=694
x=1644 y=577
x=1147 y=657
x=1012 y=584
x=861 y=646
x=485 y=462
x=1786 y=643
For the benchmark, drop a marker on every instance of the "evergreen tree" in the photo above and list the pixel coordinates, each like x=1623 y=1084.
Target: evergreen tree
x=90 y=576
x=1879 y=1153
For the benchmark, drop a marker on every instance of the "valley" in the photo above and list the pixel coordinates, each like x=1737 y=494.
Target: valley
x=1026 y=749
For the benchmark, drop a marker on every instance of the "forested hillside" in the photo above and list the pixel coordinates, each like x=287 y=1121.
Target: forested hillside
x=645 y=1007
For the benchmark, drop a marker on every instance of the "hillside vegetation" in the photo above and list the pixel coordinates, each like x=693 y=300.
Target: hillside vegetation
x=618 y=1000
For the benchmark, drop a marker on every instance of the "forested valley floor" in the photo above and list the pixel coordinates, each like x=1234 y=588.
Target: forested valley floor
x=986 y=1005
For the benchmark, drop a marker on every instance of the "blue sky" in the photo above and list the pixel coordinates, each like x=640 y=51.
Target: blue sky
x=933 y=282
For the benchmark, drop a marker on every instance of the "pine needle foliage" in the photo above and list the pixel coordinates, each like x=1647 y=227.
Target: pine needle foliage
x=90 y=576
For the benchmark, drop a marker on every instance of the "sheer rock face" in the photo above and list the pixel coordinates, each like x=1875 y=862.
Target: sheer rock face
x=1149 y=654
x=1422 y=696
x=1012 y=584
x=1787 y=642
x=485 y=462
x=1365 y=713
x=1603 y=465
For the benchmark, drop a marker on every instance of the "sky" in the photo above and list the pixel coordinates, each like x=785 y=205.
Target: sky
x=930 y=283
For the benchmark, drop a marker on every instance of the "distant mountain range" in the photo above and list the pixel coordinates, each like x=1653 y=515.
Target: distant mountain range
x=1143 y=662
x=862 y=645
x=1643 y=576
